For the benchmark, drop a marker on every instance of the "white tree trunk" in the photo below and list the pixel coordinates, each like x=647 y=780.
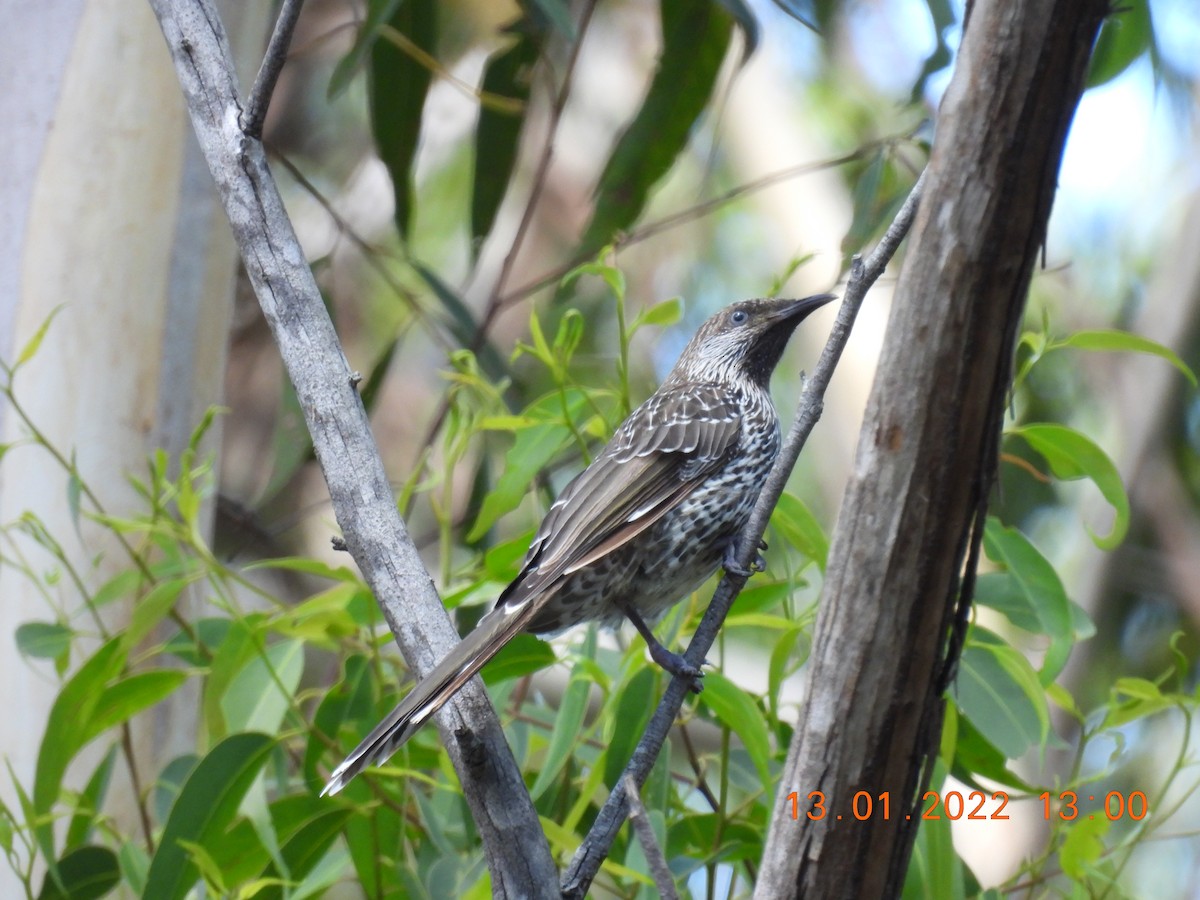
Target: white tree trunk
x=109 y=213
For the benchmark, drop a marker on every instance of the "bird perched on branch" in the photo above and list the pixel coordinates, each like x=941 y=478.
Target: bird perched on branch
x=655 y=514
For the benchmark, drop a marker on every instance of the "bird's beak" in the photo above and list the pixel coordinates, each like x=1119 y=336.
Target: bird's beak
x=799 y=309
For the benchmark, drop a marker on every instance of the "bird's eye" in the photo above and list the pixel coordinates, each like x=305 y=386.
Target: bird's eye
x=739 y=317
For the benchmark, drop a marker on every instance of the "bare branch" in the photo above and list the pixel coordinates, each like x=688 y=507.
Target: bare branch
x=516 y=849
x=659 y=870
x=596 y=845
x=255 y=113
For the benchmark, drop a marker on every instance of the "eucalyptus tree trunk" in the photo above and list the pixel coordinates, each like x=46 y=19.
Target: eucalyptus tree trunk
x=903 y=553
x=109 y=219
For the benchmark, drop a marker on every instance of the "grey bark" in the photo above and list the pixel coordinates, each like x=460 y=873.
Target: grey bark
x=516 y=850
x=914 y=507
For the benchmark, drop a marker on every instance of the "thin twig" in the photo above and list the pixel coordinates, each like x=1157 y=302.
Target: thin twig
x=599 y=840
x=698 y=211
x=255 y=113
x=659 y=870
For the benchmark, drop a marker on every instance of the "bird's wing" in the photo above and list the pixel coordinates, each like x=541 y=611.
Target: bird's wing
x=658 y=456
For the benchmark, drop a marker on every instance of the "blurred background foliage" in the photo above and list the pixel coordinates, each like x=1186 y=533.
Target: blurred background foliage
x=518 y=213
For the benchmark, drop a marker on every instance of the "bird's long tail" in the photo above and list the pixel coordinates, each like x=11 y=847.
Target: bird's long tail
x=494 y=630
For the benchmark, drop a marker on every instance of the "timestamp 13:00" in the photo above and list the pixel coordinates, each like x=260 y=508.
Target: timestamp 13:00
x=1068 y=805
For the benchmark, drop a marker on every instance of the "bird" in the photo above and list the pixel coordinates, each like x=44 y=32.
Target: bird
x=656 y=513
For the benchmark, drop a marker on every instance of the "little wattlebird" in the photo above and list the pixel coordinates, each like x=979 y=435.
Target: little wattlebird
x=655 y=514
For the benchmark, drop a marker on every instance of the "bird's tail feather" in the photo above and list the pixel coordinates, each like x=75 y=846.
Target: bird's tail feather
x=494 y=630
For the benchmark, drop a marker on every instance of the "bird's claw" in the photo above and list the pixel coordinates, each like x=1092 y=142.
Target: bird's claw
x=731 y=565
x=678 y=666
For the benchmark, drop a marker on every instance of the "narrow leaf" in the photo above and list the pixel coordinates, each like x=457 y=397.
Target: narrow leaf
x=205 y=808
x=696 y=37
x=509 y=74
x=1124 y=341
x=566 y=732
x=734 y=709
x=398 y=85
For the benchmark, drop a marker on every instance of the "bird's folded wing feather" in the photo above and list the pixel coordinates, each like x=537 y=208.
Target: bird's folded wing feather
x=661 y=453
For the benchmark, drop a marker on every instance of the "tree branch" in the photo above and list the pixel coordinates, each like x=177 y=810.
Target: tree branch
x=255 y=114
x=596 y=845
x=514 y=844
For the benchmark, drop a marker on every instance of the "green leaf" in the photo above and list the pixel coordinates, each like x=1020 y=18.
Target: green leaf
x=523 y=655
x=205 y=808
x=44 y=640
x=1123 y=341
x=308 y=831
x=1083 y=847
x=1029 y=590
x=508 y=73
x=976 y=757
x=733 y=708
x=998 y=691
x=85 y=873
x=1071 y=456
x=630 y=715
x=170 y=782
x=378 y=12
x=934 y=870
x=260 y=695
x=126 y=698
x=152 y=609
x=463 y=325
x=87 y=808
x=30 y=349
x=397 y=87
x=794 y=520
x=1125 y=35
x=660 y=315
x=68 y=729
x=533 y=449
x=567 y=728
x=696 y=37
x=236 y=649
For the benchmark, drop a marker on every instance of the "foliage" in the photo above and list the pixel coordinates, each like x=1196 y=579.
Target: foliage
x=285 y=686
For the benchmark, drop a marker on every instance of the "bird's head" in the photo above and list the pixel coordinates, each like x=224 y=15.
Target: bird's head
x=744 y=340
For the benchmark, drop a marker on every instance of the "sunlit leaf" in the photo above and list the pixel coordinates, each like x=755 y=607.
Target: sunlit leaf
x=1124 y=36
x=1071 y=455
x=734 y=709
x=1126 y=342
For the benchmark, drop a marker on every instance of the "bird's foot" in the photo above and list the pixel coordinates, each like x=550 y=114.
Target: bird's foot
x=677 y=666
x=730 y=564
x=671 y=662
